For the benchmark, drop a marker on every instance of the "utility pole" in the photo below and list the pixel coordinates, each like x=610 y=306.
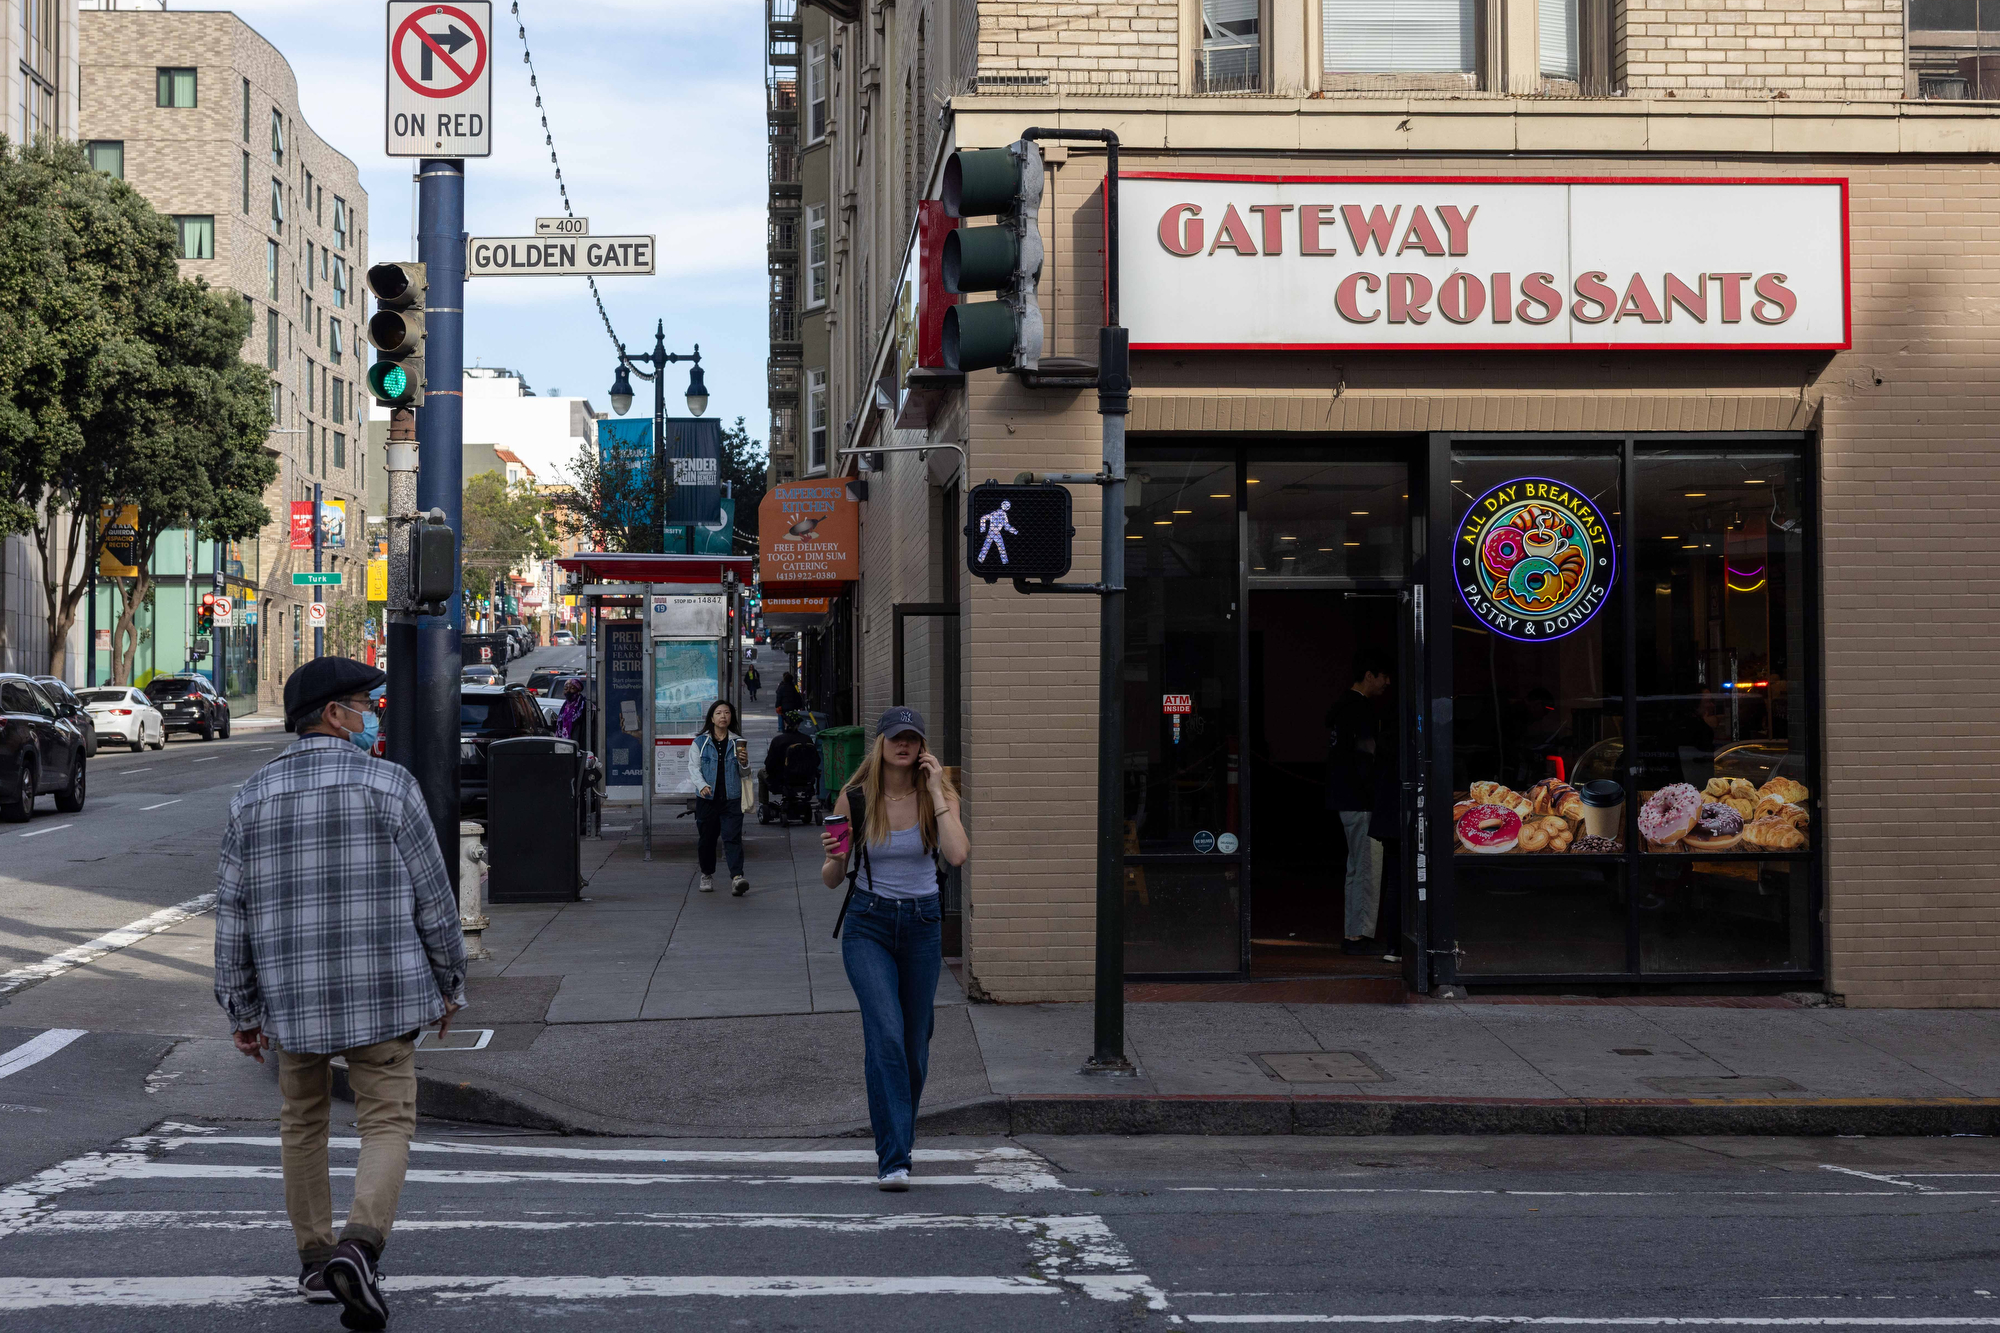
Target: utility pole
x=319 y=629
x=400 y=461
x=432 y=707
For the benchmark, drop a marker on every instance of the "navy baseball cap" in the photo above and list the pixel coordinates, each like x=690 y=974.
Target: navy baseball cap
x=899 y=720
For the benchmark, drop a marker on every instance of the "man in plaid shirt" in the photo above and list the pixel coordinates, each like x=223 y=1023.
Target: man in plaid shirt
x=337 y=933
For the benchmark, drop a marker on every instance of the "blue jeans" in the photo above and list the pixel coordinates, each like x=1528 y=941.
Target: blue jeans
x=891 y=947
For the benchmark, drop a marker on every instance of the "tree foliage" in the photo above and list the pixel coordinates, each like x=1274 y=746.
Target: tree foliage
x=119 y=382
x=611 y=501
x=505 y=528
x=746 y=467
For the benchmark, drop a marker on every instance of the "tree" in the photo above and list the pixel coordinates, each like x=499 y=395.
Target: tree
x=199 y=460
x=746 y=467
x=504 y=529
x=612 y=497
x=113 y=373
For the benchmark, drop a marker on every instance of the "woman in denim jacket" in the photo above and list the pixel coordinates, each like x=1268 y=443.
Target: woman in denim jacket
x=719 y=765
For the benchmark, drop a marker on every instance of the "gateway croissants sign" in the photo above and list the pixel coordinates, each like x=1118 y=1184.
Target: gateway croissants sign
x=1401 y=263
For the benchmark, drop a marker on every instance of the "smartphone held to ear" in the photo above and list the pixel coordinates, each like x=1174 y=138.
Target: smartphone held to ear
x=837 y=829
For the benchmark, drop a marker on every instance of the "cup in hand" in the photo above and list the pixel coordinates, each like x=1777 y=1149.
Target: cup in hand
x=837 y=829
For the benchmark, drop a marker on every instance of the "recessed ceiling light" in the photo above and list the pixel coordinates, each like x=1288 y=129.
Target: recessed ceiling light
x=1350 y=543
x=1163 y=523
x=1671 y=537
x=1326 y=548
x=1753 y=481
x=1184 y=511
x=1291 y=557
x=1690 y=548
x=1223 y=496
x=1693 y=495
x=1136 y=537
x=1253 y=480
x=1359 y=513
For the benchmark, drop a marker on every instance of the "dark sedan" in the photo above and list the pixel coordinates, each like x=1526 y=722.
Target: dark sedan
x=40 y=751
x=488 y=713
x=190 y=703
x=71 y=707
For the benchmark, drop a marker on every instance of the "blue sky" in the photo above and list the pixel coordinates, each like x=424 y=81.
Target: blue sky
x=657 y=111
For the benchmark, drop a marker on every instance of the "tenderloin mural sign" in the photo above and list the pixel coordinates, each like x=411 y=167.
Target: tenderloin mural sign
x=1534 y=559
x=1310 y=262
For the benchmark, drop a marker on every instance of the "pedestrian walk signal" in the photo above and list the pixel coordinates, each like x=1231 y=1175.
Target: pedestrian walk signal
x=1018 y=531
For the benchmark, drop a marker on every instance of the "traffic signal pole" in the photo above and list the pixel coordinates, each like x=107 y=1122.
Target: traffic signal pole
x=433 y=705
x=319 y=510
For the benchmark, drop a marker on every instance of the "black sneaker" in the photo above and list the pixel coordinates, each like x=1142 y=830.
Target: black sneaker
x=740 y=887
x=350 y=1276
x=312 y=1284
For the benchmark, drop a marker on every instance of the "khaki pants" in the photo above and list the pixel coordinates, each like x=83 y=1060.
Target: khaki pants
x=384 y=1080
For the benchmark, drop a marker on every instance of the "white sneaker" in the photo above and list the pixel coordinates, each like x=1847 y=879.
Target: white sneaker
x=707 y=884
x=894 y=1183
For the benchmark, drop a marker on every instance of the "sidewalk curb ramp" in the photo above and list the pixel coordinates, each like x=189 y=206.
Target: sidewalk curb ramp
x=1225 y=1114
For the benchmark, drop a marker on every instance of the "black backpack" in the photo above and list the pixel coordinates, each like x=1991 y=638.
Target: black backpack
x=857 y=823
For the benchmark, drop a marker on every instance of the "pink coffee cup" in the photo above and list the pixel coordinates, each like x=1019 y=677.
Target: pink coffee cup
x=836 y=825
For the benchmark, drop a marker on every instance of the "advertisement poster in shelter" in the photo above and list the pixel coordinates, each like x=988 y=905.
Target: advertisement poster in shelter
x=624 y=694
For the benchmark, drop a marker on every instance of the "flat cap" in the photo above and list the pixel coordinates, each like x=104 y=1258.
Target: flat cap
x=323 y=680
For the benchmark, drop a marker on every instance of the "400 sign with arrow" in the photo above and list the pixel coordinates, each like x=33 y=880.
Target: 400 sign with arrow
x=440 y=84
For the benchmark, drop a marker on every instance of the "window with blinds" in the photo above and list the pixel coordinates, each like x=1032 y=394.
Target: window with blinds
x=1398 y=36
x=1555 y=37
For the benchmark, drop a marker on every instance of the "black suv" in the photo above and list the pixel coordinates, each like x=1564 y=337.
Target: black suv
x=190 y=703
x=488 y=713
x=40 y=751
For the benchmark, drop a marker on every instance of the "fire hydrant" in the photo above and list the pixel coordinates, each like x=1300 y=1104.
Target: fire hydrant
x=472 y=887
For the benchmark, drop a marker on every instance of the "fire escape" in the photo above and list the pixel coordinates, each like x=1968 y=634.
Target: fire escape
x=783 y=43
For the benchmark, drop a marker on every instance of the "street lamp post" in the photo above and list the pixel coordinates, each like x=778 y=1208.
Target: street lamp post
x=621 y=402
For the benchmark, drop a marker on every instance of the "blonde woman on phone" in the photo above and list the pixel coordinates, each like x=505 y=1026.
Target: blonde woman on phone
x=902 y=829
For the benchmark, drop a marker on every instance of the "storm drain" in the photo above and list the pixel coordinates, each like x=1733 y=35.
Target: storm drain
x=1320 y=1067
x=1722 y=1085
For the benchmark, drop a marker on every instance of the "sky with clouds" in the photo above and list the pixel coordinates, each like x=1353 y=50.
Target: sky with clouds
x=656 y=107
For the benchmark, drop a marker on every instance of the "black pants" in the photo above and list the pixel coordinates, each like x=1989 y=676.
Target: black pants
x=718 y=818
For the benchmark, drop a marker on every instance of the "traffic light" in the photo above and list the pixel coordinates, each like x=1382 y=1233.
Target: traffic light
x=1006 y=184
x=204 y=618
x=433 y=565
x=396 y=330
x=1018 y=531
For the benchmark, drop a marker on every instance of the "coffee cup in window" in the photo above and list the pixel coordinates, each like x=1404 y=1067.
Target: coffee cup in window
x=1603 y=809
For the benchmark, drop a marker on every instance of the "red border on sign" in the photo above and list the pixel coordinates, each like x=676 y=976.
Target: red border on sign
x=1846 y=265
x=409 y=25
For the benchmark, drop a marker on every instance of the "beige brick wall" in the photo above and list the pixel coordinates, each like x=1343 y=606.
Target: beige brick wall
x=190 y=161
x=1905 y=421
x=1121 y=47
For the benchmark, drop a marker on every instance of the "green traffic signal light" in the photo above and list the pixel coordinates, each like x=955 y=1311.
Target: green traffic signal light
x=389 y=382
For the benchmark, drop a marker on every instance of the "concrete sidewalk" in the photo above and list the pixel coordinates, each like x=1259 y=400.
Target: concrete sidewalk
x=651 y=1008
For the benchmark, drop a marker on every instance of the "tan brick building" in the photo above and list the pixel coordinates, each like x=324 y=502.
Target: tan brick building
x=201 y=115
x=1746 y=431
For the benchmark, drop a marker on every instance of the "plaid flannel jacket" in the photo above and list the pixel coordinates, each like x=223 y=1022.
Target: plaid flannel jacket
x=335 y=922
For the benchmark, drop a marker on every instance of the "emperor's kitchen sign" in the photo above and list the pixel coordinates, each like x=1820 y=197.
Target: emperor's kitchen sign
x=1288 y=262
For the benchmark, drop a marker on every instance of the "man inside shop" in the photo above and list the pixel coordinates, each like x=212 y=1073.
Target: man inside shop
x=1353 y=734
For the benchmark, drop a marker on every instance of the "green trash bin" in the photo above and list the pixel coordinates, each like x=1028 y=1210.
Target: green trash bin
x=840 y=750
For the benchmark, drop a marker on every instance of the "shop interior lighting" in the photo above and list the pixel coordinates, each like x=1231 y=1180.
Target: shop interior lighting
x=1693 y=495
x=1163 y=523
x=1184 y=511
x=1690 y=547
x=1752 y=588
x=1350 y=543
x=1753 y=481
x=1359 y=513
x=1743 y=573
x=1253 y=480
x=1671 y=537
x=1224 y=496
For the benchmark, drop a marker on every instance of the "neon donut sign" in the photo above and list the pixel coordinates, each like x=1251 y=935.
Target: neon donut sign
x=1534 y=560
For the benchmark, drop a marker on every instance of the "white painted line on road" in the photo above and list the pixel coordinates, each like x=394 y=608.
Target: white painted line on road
x=122 y=771
x=144 y=1170
x=35 y=1051
x=111 y=941
x=32 y=1293
x=58 y=828
x=1641 y=1321
x=1570 y=1194
x=211 y=759
x=1869 y=1175
x=161 y=806
x=826 y=1156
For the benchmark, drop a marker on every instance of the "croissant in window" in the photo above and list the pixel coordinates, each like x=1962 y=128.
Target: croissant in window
x=1772 y=834
x=1785 y=790
x=1772 y=807
x=1729 y=789
x=1553 y=796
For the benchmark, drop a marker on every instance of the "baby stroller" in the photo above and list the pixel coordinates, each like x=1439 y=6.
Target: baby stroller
x=791 y=796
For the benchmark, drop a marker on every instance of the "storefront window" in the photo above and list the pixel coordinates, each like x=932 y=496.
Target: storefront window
x=1331 y=519
x=1538 y=720
x=1182 y=696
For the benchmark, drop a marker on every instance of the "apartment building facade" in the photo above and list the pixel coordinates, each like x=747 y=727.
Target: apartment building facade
x=1590 y=369
x=200 y=114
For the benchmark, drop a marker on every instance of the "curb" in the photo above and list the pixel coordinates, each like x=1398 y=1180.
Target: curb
x=1225 y=1115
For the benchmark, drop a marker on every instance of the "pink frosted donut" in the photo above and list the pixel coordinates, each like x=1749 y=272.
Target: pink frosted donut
x=1489 y=829
x=1504 y=549
x=1669 y=814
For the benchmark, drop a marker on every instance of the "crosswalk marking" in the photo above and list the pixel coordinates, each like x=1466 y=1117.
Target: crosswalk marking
x=37 y=1049
x=166 y=918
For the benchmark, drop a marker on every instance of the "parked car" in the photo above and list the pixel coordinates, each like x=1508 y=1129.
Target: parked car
x=190 y=703
x=40 y=751
x=564 y=639
x=71 y=708
x=123 y=713
x=549 y=681
x=488 y=713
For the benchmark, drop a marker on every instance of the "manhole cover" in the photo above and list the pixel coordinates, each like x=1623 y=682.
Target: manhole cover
x=1741 y=1085
x=1320 y=1067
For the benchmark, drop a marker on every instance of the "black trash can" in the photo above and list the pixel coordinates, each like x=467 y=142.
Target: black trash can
x=531 y=829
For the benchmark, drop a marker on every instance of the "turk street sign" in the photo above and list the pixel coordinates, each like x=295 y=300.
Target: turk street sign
x=525 y=256
x=316 y=578
x=1412 y=263
x=440 y=79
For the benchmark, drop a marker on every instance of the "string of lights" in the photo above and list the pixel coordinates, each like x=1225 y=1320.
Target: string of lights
x=548 y=139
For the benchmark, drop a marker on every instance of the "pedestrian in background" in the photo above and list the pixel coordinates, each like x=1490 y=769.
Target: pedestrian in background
x=718 y=764
x=337 y=933
x=903 y=825
x=569 y=720
x=751 y=680
x=789 y=698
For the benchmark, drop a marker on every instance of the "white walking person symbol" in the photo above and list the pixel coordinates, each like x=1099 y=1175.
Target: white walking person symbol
x=993 y=525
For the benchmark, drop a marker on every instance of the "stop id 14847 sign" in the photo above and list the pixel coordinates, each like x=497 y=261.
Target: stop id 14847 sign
x=440 y=79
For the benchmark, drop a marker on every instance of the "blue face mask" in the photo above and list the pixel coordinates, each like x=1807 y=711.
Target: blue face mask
x=371 y=727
